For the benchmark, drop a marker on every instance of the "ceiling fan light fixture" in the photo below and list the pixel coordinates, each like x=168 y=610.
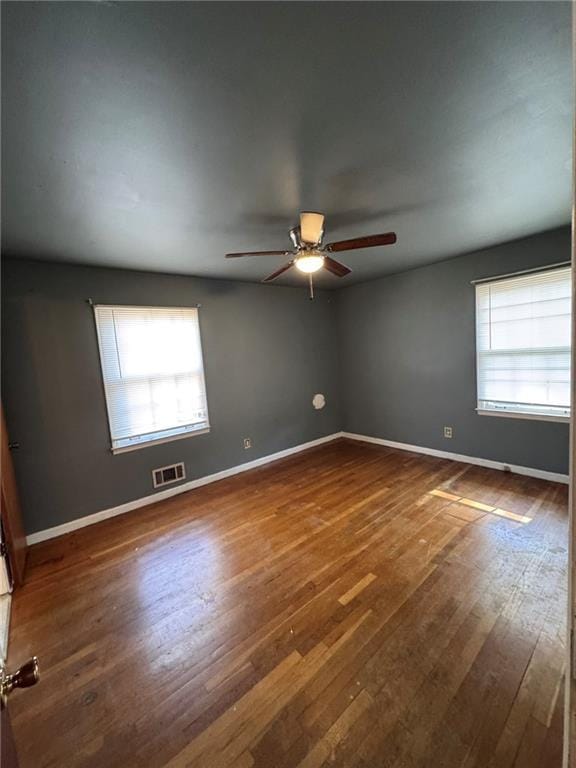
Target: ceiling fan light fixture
x=309 y=255
x=311 y=263
x=311 y=227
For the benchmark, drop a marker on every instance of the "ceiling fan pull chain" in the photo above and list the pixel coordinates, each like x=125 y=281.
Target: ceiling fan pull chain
x=311 y=285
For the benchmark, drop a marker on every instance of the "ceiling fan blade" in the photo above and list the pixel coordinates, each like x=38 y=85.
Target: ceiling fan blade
x=257 y=253
x=278 y=272
x=370 y=241
x=333 y=266
x=311 y=227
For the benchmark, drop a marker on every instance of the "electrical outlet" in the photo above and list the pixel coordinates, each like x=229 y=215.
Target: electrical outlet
x=447 y=431
x=247 y=443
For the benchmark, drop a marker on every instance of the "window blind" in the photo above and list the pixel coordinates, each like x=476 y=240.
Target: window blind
x=523 y=332
x=153 y=373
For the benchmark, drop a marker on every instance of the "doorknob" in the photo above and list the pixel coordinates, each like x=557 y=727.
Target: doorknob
x=27 y=675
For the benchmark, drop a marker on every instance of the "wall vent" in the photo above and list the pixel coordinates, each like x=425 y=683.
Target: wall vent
x=167 y=475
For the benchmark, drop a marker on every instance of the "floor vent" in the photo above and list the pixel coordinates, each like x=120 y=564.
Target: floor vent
x=167 y=475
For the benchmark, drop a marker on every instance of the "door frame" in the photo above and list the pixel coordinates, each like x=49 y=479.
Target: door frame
x=570 y=679
x=10 y=510
x=569 y=759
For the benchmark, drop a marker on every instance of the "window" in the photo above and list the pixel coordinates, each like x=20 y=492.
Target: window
x=153 y=374
x=523 y=344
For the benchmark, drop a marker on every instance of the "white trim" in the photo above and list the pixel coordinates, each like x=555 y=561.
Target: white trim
x=143 y=306
x=555 y=477
x=523 y=415
x=73 y=525
x=159 y=441
x=5 y=604
x=545 y=268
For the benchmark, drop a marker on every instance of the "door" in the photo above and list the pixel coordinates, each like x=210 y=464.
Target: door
x=8 y=757
x=26 y=676
x=14 y=539
x=12 y=565
x=570 y=680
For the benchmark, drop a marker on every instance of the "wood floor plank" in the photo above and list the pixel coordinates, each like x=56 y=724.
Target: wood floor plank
x=356 y=589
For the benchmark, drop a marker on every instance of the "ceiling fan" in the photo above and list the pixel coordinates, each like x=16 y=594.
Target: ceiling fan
x=309 y=255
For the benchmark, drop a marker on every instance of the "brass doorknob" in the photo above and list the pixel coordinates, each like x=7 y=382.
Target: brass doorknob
x=27 y=675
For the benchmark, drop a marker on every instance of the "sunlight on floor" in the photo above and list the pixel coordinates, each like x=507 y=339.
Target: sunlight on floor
x=480 y=506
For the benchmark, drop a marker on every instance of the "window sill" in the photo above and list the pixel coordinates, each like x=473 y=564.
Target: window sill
x=149 y=443
x=521 y=415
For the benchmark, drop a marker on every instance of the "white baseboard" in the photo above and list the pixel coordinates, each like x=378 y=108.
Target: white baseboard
x=73 y=525
x=541 y=474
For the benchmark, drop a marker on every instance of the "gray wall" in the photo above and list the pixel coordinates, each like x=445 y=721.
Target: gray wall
x=395 y=359
x=267 y=350
x=408 y=358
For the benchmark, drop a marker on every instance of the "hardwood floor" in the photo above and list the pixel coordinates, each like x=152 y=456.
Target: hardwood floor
x=351 y=606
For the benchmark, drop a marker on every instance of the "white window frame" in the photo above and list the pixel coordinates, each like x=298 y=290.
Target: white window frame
x=165 y=435
x=530 y=412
